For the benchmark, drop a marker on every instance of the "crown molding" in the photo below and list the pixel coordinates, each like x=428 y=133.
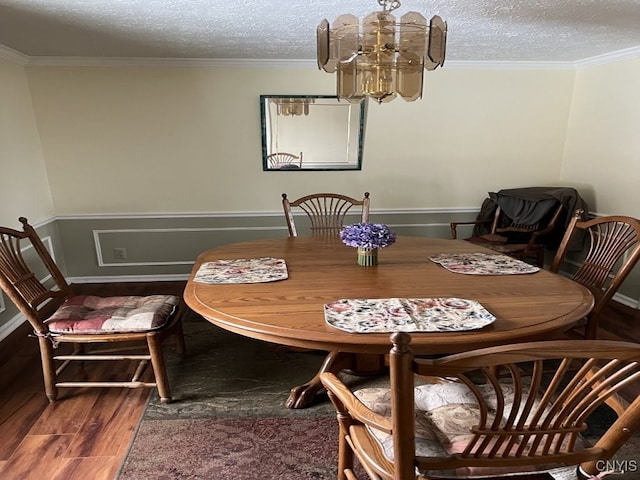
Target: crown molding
x=617 y=56
x=507 y=65
x=14 y=56
x=168 y=62
x=264 y=63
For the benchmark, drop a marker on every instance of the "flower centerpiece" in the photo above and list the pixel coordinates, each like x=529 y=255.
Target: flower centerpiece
x=368 y=238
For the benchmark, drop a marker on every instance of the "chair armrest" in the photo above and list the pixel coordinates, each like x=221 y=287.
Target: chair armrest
x=454 y=226
x=356 y=409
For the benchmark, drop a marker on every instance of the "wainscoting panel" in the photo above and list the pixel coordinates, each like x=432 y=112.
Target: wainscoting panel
x=141 y=247
x=156 y=245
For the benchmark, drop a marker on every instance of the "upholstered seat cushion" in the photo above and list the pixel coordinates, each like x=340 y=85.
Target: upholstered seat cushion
x=126 y=314
x=445 y=414
x=427 y=441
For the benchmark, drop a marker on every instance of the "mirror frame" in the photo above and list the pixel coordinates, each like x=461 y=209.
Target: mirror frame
x=359 y=108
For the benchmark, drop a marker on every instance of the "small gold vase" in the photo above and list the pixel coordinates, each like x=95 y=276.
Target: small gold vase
x=367 y=257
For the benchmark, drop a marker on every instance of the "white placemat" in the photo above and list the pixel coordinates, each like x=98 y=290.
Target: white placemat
x=242 y=270
x=386 y=315
x=483 y=264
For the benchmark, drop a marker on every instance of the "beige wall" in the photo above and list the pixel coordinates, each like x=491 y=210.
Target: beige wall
x=24 y=187
x=603 y=139
x=170 y=147
x=603 y=145
x=122 y=140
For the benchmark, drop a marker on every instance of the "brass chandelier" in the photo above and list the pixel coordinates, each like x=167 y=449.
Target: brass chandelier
x=381 y=58
x=292 y=106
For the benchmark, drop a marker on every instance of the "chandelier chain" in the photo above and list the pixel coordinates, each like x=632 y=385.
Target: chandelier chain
x=389 y=5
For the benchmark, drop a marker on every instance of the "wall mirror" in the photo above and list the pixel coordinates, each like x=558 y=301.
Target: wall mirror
x=311 y=132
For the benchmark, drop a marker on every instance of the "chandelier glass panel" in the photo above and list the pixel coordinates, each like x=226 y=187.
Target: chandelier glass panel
x=381 y=58
x=293 y=106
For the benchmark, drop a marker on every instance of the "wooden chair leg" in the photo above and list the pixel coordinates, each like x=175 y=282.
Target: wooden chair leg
x=181 y=347
x=154 y=343
x=48 y=368
x=176 y=330
x=345 y=454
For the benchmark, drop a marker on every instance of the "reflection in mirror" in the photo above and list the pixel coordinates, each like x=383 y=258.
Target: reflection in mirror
x=311 y=132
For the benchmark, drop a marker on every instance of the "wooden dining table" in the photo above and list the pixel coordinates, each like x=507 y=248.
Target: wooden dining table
x=321 y=270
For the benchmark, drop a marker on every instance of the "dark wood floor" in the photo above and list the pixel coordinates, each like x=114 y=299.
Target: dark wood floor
x=87 y=433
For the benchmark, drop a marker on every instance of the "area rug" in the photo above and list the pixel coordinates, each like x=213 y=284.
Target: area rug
x=228 y=420
x=255 y=449
x=234 y=448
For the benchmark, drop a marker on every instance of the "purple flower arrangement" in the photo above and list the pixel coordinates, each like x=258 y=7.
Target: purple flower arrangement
x=367 y=235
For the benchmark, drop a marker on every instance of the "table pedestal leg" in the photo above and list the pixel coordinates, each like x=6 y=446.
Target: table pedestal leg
x=356 y=364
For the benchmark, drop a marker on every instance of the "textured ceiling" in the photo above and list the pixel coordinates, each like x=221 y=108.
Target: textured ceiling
x=479 y=30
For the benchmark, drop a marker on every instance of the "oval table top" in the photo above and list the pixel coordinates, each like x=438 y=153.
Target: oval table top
x=321 y=270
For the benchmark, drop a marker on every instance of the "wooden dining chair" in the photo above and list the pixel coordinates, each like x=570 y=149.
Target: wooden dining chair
x=611 y=251
x=284 y=161
x=31 y=279
x=326 y=212
x=489 y=412
x=524 y=241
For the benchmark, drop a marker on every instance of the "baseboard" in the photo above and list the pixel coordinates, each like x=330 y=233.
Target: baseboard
x=627 y=301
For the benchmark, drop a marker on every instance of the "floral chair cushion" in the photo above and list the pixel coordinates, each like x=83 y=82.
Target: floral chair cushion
x=427 y=441
x=87 y=314
x=445 y=414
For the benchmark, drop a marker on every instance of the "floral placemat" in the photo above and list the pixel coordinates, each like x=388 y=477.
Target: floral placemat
x=386 y=315
x=242 y=270
x=482 y=264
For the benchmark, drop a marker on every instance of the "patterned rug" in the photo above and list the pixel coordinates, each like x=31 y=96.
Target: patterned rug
x=234 y=448
x=228 y=420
